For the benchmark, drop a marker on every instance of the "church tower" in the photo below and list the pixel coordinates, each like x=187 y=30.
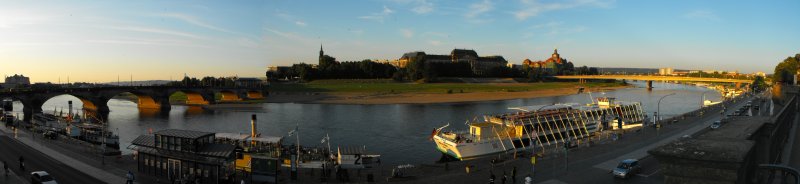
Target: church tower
x=555 y=54
x=321 y=53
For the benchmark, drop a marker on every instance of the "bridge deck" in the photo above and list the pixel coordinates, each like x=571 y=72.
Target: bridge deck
x=653 y=78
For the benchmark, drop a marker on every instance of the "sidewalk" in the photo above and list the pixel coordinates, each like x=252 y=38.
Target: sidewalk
x=101 y=174
x=641 y=153
x=12 y=178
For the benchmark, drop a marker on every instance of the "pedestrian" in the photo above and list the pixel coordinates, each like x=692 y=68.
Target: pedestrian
x=21 y=163
x=528 y=179
x=503 y=180
x=5 y=167
x=129 y=178
x=467 y=168
x=491 y=177
x=242 y=181
x=514 y=174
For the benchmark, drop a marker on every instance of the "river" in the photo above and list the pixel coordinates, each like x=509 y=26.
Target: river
x=399 y=132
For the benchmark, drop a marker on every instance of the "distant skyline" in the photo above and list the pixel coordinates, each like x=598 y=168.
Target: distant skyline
x=96 y=41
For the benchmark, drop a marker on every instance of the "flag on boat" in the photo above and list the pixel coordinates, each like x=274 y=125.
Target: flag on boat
x=293 y=131
x=324 y=139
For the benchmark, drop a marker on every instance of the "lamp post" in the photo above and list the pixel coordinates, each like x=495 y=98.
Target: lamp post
x=658 y=108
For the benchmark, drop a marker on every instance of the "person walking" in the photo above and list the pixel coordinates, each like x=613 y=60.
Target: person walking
x=21 y=163
x=514 y=174
x=5 y=167
x=129 y=178
x=505 y=177
x=491 y=177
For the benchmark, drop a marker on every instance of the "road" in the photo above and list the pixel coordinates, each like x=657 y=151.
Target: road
x=11 y=150
x=584 y=167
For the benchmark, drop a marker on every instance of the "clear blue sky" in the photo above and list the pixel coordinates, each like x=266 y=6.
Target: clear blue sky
x=747 y=36
x=97 y=41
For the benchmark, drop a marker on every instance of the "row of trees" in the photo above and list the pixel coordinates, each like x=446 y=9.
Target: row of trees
x=205 y=81
x=416 y=69
x=365 y=69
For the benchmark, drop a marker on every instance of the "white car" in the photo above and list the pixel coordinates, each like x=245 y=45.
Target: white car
x=42 y=177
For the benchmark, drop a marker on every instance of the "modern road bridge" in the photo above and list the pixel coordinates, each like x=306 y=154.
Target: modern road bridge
x=651 y=78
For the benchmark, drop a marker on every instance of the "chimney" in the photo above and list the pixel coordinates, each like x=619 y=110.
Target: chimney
x=253 y=132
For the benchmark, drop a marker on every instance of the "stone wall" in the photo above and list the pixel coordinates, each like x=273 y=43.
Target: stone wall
x=731 y=153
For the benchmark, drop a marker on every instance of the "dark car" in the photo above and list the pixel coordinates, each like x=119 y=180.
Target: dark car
x=627 y=168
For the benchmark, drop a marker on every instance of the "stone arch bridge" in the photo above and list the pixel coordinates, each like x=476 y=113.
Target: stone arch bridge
x=149 y=97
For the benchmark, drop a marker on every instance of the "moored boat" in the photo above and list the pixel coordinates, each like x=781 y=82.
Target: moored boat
x=537 y=126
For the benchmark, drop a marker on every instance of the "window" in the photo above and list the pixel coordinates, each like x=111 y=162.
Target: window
x=178 y=143
x=146 y=162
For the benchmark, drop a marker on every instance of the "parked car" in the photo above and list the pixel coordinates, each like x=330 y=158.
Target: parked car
x=626 y=168
x=42 y=177
x=716 y=124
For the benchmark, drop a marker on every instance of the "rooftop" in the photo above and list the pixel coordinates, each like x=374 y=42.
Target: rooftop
x=183 y=133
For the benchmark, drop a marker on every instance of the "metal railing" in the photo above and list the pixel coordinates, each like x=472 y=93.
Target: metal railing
x=768 y=173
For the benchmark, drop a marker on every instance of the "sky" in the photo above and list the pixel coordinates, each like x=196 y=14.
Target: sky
x=100 y=41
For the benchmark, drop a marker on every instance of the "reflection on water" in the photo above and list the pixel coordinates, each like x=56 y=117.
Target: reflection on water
x=398 y=131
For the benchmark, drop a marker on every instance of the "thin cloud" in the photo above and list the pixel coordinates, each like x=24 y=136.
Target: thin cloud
x=155 y=31
x=300 y=23
x=290 y=35
x=423 y=7
x=532 y=8
x=408 y=33
x=378 y=17
x=555 y=28
x=479 y=8
x=435 y=42
x=195 y=21
x=701 y=15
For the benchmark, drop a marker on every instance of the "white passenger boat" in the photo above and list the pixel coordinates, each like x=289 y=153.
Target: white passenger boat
x=537 y=126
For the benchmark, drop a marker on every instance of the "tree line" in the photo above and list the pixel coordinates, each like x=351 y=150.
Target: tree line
x=785 y=71
x=415 y=70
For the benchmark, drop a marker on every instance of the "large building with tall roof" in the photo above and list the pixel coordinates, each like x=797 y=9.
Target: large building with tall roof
x=552 y=65
x=480 y=65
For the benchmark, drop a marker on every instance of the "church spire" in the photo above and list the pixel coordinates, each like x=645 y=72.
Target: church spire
x=321 y=53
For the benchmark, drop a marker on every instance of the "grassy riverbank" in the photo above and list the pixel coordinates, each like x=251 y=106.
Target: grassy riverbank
x=387 y=91
x=387 y=85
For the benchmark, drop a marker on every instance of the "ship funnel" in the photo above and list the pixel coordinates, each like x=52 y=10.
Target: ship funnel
x=253 y=132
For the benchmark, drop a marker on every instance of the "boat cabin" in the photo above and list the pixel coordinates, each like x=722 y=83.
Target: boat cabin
x=183 y=154
x=488 y=130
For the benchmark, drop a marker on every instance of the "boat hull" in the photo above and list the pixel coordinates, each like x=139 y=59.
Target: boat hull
x=466 y=151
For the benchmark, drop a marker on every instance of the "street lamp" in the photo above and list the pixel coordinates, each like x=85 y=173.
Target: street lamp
x=658 y=111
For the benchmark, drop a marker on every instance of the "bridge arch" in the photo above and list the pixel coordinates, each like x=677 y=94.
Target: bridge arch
x=227 y=96
x=251 y=94
x=192 y=97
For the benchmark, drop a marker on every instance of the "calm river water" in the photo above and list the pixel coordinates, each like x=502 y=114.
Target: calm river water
x=398 y=132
